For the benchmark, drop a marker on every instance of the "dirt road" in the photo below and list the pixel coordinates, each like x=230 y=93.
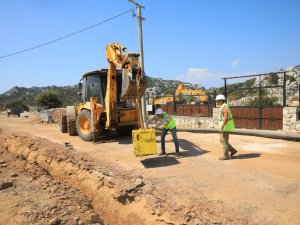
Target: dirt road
x=259 y=186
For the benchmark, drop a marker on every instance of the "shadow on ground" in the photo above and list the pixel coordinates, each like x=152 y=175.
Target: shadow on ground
x=187 y=149
x=113 y=136
x=190 y=149
x=162 y=161
x=247 y=156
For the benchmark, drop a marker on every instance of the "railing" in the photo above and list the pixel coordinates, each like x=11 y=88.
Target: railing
x=258 y=103
x=189 y=110
x=255 y=92
x=186 y=105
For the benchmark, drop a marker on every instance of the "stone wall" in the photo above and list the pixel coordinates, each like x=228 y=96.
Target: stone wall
x=197 y=122
x=194 y=122
x=290 y=123
x=216 y=112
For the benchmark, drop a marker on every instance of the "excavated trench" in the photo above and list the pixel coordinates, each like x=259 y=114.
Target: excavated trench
x=116 y=197
x=192 y=189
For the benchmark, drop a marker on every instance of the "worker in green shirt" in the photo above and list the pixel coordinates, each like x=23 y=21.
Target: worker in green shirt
x=168 y=123
x=225 y=124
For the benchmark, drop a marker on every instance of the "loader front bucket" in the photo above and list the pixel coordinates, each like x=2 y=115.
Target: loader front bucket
x=129 y=86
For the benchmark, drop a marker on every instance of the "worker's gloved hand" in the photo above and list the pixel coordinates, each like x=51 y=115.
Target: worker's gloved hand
x=145 y=125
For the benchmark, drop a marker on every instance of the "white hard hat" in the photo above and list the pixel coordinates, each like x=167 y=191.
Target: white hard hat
x=220 y=97
x=159 y=111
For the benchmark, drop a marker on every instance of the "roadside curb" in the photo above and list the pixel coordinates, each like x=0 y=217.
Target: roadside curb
x=273 y=135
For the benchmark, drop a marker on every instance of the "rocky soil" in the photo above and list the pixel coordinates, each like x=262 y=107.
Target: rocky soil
x=47 y=177
x=30 y=195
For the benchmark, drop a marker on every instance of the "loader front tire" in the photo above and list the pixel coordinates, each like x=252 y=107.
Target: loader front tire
x=84 y=125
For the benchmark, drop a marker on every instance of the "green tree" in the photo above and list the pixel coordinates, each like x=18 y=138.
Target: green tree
x=290 y=78
x=266 y=101
x=17 y=104
x=181 y=99
x=48 y=98
x=273 y=78
x=169 y=92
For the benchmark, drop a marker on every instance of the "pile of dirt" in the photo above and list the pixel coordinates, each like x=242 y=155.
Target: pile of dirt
x=57 y=112
x=51 y=115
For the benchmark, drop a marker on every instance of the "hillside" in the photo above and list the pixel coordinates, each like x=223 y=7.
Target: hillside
x=249 y=93
x=69 y=94
x=160 y=87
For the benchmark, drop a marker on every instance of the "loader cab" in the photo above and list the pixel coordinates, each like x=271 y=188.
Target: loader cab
x=94 y=84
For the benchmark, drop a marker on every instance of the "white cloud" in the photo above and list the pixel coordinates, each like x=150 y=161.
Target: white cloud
x=207 y=78
x=194 y=75
x=197 y=73
x=235 y=62
x=200 y=76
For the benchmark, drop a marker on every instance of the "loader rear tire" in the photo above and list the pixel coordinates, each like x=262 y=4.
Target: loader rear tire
x=71 y=125
x=84 y=125
x=71 y=120
x=63 y=123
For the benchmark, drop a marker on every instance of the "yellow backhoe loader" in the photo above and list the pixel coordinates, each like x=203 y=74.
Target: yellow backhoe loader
x=199 y=95
x=110 y=97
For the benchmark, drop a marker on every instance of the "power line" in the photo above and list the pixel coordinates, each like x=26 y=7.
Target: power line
x=66 y=36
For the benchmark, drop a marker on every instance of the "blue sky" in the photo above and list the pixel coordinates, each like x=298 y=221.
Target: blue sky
x=196 y=41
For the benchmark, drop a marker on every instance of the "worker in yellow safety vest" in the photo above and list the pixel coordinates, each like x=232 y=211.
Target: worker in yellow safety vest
x=168 y=123
x=225 y=124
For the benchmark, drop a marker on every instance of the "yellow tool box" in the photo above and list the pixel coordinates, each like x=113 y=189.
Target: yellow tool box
x=144 y=142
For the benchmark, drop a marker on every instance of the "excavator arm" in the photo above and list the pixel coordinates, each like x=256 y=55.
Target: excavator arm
x=115 y=54
x=133 y=83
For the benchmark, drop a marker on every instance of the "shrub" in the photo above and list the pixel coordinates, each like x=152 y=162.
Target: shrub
x=17 y=104
x=273 y=78
x=266 y=101
x=48 y=98
x=290 y=78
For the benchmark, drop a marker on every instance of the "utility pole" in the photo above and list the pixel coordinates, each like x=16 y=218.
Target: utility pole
x=141 y=51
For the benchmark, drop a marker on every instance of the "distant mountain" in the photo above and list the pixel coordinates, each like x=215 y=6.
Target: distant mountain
x=270 y=96
x=69 y=94
x=160 y=87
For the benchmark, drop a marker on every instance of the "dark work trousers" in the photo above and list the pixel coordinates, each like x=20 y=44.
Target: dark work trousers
x=163 y=137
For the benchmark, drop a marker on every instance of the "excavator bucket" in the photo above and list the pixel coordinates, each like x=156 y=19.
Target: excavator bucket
x=130 y=88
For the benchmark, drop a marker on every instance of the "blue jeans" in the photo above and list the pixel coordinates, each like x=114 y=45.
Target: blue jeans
x=174 y=135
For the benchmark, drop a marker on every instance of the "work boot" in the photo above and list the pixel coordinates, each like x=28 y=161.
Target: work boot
x=223 y=158
x=233 y=152
x=161 y=153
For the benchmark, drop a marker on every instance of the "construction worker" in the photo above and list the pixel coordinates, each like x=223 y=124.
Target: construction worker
x=8 y=112
x=225 y=124
x=168 y=123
